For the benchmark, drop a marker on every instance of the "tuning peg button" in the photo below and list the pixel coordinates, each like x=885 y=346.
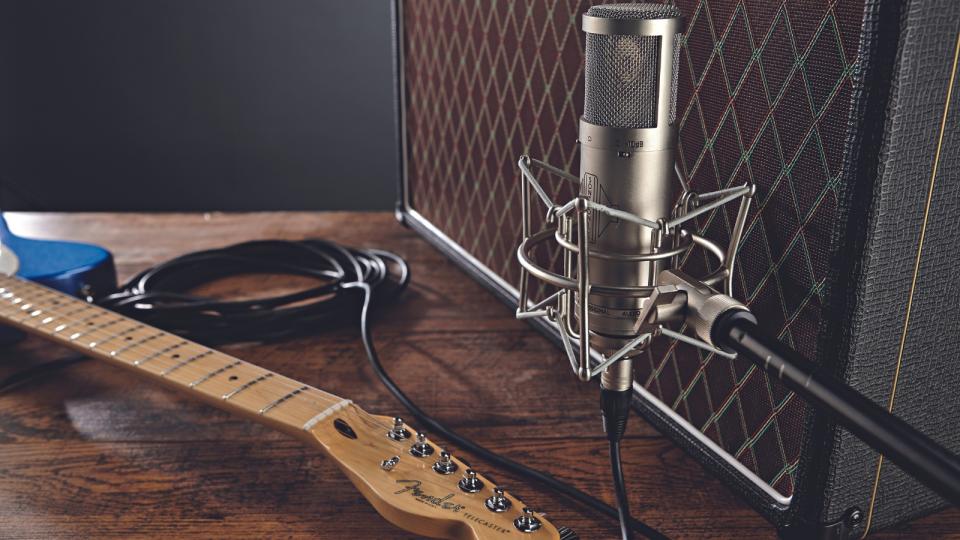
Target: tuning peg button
x=398 y=432
x=470 y=483
x=527 y=523
x=498 y=502
x=421 y=448
x=445 y=465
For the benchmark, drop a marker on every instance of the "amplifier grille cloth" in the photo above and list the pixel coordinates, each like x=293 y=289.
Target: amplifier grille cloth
x=764 y=94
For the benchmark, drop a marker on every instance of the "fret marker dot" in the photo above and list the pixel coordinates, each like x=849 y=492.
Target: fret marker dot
x=233 y=377
x=175 y=356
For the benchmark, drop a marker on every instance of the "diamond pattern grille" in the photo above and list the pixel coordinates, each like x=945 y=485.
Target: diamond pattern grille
x=764 y=93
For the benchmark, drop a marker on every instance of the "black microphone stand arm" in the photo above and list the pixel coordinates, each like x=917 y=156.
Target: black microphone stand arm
x=725 y=323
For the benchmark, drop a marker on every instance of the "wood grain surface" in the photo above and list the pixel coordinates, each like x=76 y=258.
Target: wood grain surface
x=95 y=452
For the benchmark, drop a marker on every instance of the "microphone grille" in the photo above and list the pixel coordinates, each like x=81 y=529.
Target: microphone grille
x=634 y=11
x=622 y=71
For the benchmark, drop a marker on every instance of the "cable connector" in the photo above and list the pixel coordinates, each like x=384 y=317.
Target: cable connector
x=615 y=409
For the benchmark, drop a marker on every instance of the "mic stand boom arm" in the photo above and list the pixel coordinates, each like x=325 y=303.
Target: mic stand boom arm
x=914 y=452
x=729 y=325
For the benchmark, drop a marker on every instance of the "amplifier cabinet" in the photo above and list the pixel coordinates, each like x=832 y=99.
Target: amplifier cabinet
x=841 y=112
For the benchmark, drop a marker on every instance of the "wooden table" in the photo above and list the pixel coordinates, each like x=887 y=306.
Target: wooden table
x=93 y=452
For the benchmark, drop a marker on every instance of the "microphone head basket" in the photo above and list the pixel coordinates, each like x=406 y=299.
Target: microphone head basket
x=567 y=225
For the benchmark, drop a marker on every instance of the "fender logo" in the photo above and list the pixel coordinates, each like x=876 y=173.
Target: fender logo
x=413 y=488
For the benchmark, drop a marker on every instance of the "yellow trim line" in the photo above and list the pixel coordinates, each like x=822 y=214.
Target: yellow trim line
x=916 y=272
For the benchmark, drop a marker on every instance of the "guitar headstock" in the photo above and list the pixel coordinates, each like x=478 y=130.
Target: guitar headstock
x=418 y=487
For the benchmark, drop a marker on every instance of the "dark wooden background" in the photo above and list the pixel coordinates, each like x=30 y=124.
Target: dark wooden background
x=93 y=452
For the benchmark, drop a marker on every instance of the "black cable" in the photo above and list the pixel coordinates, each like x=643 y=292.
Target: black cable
x=160 y=295
x=488 y=455
x=615 y=411
x=623 y=504
x=350 y=279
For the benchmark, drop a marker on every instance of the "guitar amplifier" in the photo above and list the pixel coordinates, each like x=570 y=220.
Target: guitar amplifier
x=841 y=112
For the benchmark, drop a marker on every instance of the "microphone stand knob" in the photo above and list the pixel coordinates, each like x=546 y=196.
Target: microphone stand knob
x=498 y=502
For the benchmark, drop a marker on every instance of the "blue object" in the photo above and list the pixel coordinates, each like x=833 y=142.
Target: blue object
x=70 y=267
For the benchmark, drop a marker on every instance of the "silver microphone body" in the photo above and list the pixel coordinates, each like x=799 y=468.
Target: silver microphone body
x=632 y=182
x=628 y=140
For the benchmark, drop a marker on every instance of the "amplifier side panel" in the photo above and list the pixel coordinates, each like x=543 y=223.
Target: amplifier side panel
x=904 y=340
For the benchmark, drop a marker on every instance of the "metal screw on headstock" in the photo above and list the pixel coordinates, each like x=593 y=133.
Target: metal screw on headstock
x=498 y=502
x=445 y=465
x=470 y=483
x=398 y=432
x=421 y=448
x=389 y=464
x=527 y=522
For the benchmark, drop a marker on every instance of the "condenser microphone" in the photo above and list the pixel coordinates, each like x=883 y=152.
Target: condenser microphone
x=622 y=235
x=628 y=138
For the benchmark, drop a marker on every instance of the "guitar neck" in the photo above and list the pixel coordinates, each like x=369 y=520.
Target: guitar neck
x=214 y=377
x=419 y=493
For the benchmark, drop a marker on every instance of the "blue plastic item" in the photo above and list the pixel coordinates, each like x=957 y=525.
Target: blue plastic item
x=70 y=267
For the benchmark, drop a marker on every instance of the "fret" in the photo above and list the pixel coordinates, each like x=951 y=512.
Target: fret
x=214 y=373
x=78 y=310
x=19 y=314
x=243 y=387
x=15 y=309
x=182 y=363
x=22 y=312
x=120 y=334
x=160 y=353
x=103 y=326
x=17 y=300
x=278 y=401
x=91 y=327
x=133 y=344
x=97 y=313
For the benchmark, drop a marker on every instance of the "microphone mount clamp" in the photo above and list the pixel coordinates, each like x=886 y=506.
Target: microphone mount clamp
x=676 y=298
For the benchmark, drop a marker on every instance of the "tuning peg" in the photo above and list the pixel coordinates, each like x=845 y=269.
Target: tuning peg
x=527 y=522
x=398 y=432
x=445 y=465
x=470 y=483
x=498 y=502
x=421 y=448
